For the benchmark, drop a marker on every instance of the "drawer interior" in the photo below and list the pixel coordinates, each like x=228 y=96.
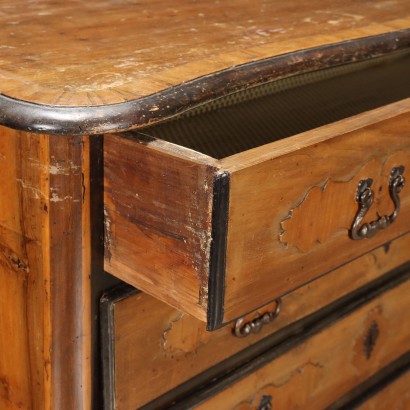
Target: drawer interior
x=288 y=106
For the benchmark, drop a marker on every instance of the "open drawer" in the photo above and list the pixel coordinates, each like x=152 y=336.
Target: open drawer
x=226 y=207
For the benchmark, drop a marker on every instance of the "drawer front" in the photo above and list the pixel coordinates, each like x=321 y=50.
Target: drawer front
x=327 y=365
x=388 y=388
x=181 y=348
x=220 y=238
x=394 y=396
x=292 y=209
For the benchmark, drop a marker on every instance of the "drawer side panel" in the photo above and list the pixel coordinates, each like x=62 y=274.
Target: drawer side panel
x=158 y=221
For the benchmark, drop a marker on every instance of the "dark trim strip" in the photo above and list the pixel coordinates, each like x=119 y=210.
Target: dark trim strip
x=217 y=265
x=274 y=346
x=373 y=385
x=137 y=113
x=107 y=330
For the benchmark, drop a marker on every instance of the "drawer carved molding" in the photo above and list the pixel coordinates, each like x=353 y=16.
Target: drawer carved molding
x=318 y=216
x=365 y=198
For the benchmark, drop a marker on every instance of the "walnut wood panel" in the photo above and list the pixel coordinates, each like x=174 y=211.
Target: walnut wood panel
x=328 y=364
x=158 y=211
x=394 y=396
x=109 y=52
x=44 y=272
x=181 y=347
x=96 y=119
x=292 y=203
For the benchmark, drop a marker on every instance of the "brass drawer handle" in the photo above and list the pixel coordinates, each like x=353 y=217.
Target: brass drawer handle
x=254 y=326
x=365 y=199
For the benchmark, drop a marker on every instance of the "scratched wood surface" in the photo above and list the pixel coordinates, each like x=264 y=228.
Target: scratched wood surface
x=158 y=205
x=292 y=203
x=79 y=53
x=330 y=363
x=181 y=347
x=44 y=272
x=395 y=396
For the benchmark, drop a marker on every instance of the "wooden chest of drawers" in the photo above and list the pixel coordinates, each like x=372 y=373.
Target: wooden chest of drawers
x=181 y=349
x=204 y=205
x=229 y=235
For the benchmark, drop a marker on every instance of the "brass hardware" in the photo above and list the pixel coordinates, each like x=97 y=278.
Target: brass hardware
x=254 y=326
x=365 y=199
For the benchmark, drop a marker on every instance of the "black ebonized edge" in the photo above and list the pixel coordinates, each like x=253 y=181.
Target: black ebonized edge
x=375 y=384
x=82 y=120
x=217 y=264
x=107 y=302
x=297 y=333
x=100 y=280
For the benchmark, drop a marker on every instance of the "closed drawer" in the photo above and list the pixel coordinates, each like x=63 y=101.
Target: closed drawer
x=181 y=348
x=217 y=237
x=394 y=396
x=388 y=388
x=326 y=366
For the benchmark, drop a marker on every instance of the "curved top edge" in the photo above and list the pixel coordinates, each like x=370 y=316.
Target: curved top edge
x=83 y=120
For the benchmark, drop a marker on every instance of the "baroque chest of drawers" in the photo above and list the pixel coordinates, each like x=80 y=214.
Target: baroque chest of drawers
x=204 y=205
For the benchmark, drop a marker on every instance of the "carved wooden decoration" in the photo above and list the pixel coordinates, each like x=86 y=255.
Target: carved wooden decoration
x=330 y=208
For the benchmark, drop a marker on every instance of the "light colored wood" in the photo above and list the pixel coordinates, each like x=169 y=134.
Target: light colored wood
x=44 y=272
x=158 y=207
x=290 y=214
x=180 y=347
x=283 y=231
x=54 y=53
x=311 y=138
x=329 y=364
x=395 y=396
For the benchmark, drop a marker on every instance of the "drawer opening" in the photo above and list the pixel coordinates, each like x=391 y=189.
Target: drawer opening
x=285 y=107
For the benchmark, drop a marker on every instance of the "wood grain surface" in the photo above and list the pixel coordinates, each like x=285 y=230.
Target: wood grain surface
x=283 y=231
x=158 y=219
x=328 y=364
x=394 y=396
x=73 y=53
x=180 y=346
x=44 y=272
